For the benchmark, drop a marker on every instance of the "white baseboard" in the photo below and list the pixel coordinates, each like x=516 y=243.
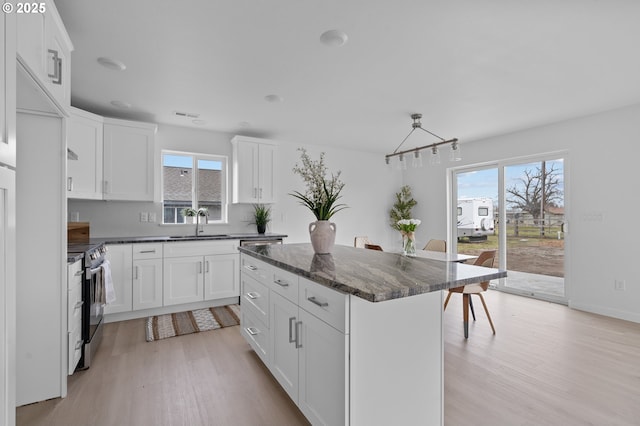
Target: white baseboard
x=124 y=316
x=600 y=310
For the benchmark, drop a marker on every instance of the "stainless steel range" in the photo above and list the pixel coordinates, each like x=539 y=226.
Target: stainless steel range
x=93 y=306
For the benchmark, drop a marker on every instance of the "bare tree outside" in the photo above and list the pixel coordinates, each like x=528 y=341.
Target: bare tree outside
x=536 y=191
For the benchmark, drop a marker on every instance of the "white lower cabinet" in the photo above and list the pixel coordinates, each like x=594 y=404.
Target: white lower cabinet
x=120 y=257
x=306 y=353
x=74 y=314
x=183 y=280
x=147 y=276
x=197 y=271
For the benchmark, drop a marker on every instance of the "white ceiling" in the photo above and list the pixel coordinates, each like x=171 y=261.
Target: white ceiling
x=473 y=68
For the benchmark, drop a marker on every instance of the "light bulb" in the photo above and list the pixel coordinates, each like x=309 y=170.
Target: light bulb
x=417 y=159
x=455 y=154
x=435 y=155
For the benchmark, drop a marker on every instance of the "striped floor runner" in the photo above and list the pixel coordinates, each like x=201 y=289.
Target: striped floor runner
x=171 y=325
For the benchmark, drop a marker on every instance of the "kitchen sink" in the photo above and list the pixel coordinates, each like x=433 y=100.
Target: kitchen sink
x=199 y=237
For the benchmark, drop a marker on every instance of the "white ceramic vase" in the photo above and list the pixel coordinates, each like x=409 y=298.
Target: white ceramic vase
x=323 y=236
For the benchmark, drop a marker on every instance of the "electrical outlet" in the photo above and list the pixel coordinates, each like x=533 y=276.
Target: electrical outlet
x=619 y=285
x=152 y=216
x=144 y=217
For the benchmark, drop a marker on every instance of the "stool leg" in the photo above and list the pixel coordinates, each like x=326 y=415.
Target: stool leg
x=487 y=311
x=465 y=314
x=473 y=313
x=446 y=302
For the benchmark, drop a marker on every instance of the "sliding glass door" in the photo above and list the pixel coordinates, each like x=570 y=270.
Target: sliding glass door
x=517 y=209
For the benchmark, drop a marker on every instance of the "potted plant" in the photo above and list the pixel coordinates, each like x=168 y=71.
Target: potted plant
x=189 y=214
x=321 y=198
x=261 y=217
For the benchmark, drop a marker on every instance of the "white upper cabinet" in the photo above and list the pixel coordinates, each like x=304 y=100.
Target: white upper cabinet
x=128 y=160
x=44 y=49
x=8 y=90
x=254 y=162
x=84 y=138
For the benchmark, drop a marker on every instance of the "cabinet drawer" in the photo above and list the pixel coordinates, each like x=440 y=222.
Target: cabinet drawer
x=255 y=298
x=256 y=334
x=75 y=349
x=328 y=305
x=147 y=251
x=200 y=248
x=286 y=284
x=258 y=269
x=74 y=308
x=74 y=274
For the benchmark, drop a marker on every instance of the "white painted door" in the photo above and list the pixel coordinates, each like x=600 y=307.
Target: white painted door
x=221 y=277
x=120 y=257
x=7 y=297
x=84 y=137
x=246 y=172
x=128 y=161
x=321 y=396
x=183 y=280
x=147 y=284
x=284 y=350
x=8 y=90
x=266 y=164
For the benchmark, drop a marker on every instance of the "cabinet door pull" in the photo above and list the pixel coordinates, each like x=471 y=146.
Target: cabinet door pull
x=70 y=183
x=199 y=267
x=207 y=267
x=261 y=193
x=252 y=331
x=281 y=283
x=291 y=327
x=78 y=305
x=253 y=295
x=148 y=251
x=251 y=267
x=57 y=67
x=315 y=301
x=79 y=345
x=78 y=273
x=136 y=273
x=298 y=335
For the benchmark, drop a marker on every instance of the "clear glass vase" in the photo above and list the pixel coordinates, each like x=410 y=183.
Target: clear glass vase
x=409 y=244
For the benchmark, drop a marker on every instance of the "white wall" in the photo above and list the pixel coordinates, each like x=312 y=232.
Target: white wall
x=369 y=193
x=601 y=181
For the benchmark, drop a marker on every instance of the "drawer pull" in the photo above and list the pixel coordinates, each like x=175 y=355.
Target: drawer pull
x=252 y=295
x=291 y=327
x=78 y=345
x=298 y=335
x=78 y=273
x=251 y=267
x=148 y=251
x=313 y=300
x=252 y=331
x=281 y=283
x=78 y=305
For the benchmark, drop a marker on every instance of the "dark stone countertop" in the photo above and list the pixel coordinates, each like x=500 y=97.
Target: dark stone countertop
x=369 y=274
x=169 y=239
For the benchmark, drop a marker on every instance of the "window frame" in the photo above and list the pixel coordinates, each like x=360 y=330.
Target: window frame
x=224 y=182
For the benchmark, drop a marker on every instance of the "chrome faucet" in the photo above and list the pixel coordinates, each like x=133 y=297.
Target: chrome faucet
x=200 y=226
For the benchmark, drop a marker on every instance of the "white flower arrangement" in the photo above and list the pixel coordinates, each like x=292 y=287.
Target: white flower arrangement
x=408 y=225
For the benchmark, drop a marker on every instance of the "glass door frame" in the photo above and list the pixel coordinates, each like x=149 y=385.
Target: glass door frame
x=500 y=165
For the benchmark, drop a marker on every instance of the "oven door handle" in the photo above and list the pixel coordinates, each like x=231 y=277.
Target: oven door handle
x=90 y=271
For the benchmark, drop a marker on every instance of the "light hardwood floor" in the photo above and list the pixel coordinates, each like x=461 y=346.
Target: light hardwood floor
x=547 y=365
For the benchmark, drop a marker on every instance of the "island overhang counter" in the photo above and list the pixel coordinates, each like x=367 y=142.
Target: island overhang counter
x=354 y=337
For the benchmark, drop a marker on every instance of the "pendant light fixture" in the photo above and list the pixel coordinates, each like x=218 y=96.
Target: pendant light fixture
x=416 y=152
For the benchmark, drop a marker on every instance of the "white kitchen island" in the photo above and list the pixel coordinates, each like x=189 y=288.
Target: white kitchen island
x=355 y=337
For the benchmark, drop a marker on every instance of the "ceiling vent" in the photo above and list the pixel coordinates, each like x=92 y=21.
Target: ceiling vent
x=186 y=114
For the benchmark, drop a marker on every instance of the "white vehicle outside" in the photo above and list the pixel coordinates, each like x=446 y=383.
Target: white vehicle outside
x=475 y=218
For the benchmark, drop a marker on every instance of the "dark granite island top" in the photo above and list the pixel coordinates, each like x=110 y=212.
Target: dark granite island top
x=369 y=274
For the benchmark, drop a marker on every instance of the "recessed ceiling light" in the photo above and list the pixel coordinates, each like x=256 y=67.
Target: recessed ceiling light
x=186 y=114
x=199 y=121
x=333 y=38
x=121 y=104
x=244 y=124
x=273 y=98
x=112 y=64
